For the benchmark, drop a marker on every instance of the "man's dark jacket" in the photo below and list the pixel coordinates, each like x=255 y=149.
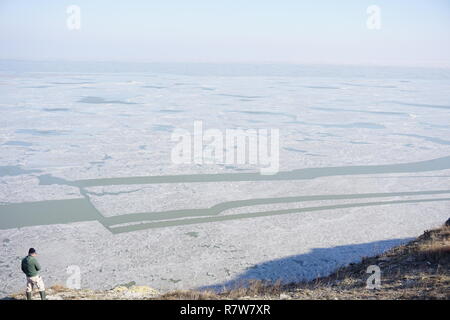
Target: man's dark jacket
x=30 y=266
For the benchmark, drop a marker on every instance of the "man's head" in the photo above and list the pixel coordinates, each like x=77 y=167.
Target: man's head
x=32 y=252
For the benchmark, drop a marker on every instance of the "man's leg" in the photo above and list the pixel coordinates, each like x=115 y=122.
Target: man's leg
x=29 y=291
x=41 y=287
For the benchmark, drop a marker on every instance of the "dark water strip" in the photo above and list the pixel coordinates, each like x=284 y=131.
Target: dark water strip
x=77 y=210
x=420 y=105
x=425 y=138
x=81 y=210
x=389 y=113
x=224 y=206
x=27 y=214
x=164 y=224
x=298 y=174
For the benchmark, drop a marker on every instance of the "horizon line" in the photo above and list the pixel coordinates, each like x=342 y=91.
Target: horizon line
x=446 y=65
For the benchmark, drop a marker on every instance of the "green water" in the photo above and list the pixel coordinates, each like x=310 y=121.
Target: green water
x=77 y=210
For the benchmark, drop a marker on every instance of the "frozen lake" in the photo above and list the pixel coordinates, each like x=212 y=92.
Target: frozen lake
x=86 y=175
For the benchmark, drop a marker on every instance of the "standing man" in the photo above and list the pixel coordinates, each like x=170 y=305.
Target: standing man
x=31 y=267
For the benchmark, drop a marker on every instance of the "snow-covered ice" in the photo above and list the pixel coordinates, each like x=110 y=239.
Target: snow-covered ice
x=65 y=135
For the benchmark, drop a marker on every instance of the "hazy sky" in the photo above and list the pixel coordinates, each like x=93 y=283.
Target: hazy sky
x=413 y=32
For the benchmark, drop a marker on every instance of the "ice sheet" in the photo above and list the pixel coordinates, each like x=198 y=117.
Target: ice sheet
x=59 y=130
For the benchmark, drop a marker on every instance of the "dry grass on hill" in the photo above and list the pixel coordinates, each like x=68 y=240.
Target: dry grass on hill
x=417 y=270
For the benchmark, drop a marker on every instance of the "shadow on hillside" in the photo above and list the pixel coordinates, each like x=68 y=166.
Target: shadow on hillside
x=318 y=262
